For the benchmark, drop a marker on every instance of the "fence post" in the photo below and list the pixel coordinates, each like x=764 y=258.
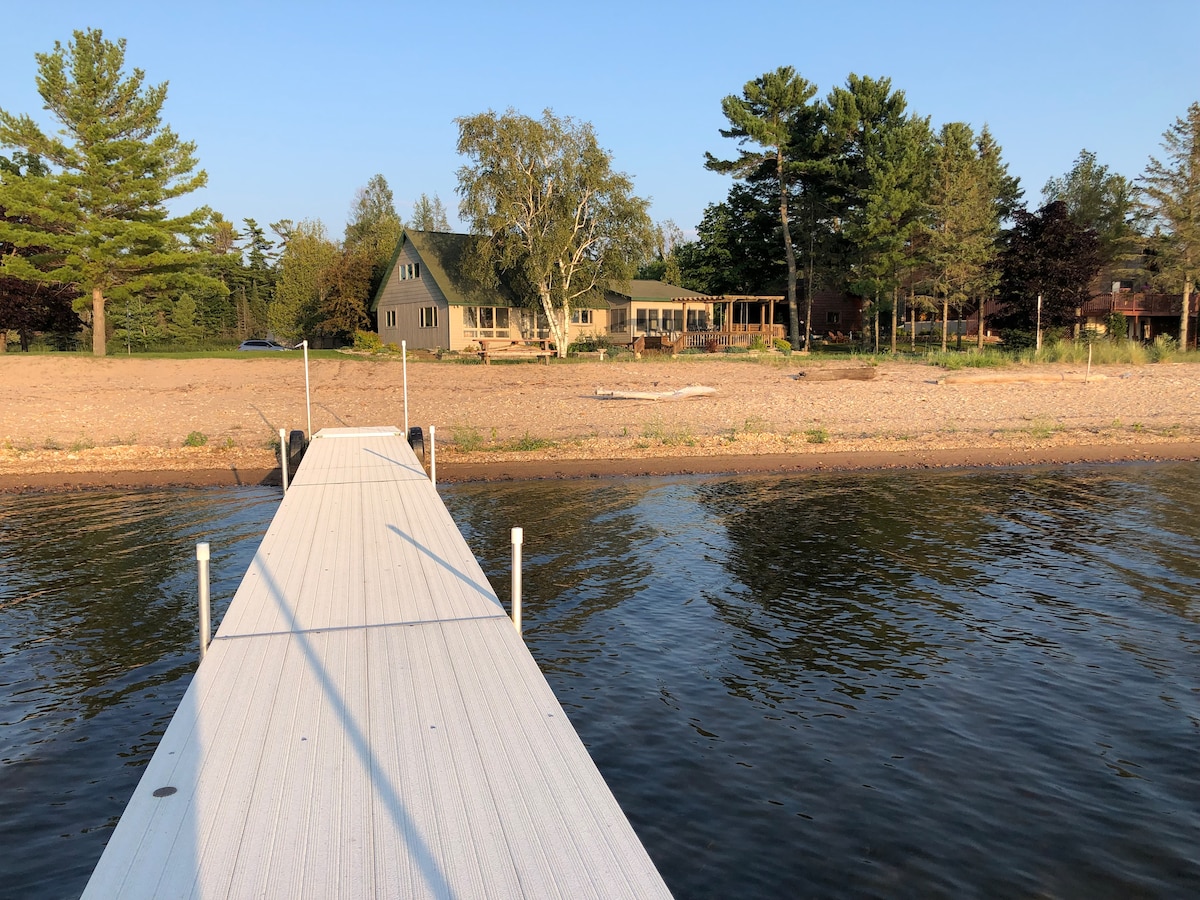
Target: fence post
x=404 y=369
x=433 y=455
x=283 y=466
x=518 y=538
x=202 y=555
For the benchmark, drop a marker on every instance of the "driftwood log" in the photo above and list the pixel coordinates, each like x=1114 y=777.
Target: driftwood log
x=1017 y=377
x=857 y=373
x=686 y=393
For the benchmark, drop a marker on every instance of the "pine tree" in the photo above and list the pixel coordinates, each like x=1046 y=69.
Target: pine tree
x=429 y=215
x=766 y=115
x=1170 y=198
x=101 y=212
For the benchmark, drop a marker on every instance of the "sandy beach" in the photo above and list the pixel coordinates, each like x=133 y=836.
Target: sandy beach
x=74 y=421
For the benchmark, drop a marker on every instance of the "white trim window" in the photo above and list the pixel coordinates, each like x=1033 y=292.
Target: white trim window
x=581 y=317
x=389 y=318
x=427 y=317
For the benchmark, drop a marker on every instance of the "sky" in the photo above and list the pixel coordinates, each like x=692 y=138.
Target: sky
x=294 y=106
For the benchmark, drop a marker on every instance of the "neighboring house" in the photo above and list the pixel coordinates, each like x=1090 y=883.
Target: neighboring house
x=647 y=308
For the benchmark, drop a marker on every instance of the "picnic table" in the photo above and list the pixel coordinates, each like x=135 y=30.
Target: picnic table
x=518 y=348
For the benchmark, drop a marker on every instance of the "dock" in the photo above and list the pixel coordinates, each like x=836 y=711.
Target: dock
x=368 y=722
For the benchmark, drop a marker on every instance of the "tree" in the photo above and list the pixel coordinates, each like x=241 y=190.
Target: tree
x=885 y=168
x=1047 y=254
x=766 y=115
x=1170 y=198
x=29 y=306
x=557 y=218
x=101 y=211
x=304 y=283
x=429 y=215
x=964 y=222
x=736 y=250
x=1096 y=199
x=374 y=229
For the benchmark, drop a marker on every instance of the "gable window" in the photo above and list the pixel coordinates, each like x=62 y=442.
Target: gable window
x=427 y=317
x=408 y=270
x=389 y=318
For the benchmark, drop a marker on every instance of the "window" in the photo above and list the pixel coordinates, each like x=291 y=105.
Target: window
x=618 y=321
x=427 y=316
x=672 y=320
x=581 y=317
x=406 y=271
x=833 y=317
x=389 y=318
x=697 y=320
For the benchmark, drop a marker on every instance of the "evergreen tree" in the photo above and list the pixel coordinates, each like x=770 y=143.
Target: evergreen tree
x=429 y=215
x=101 y=211
x=884 y=173
x=765 y=116
x=964 y=224
x=1170 y=199
x=1097 y=199
x=374 y=229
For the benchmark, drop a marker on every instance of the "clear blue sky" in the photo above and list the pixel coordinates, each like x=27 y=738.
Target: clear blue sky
x=294 y=106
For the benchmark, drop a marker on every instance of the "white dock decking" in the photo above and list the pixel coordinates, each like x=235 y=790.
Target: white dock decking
x=367 y=722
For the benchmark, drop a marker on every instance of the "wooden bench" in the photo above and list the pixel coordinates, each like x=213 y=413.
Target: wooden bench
x=496 y=348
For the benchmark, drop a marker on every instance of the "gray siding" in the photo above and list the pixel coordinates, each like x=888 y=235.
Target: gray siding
x=406 y=297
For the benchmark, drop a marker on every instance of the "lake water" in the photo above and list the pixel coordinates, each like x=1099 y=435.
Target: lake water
x=948 y=684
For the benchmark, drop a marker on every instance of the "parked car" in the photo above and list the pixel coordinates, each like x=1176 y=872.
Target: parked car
x=262 y=345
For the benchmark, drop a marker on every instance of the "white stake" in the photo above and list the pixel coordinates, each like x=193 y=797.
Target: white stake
x=1089 y=368
x=307 y=399
x=518 y=538
x=432 y=455
x=202 y=555
x=404 y=369
x=283 y=467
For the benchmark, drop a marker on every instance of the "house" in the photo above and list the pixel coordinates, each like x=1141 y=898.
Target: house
x=429 y=299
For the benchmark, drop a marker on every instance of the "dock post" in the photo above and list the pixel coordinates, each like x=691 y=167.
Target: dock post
x=404 y=369
x=432 y=455
x=518 y=538
x=202 y=555
x=307 y=396
x=283 y=457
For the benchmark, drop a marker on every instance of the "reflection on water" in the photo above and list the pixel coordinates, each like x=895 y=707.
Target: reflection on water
x=98 y=640
x=951 y=684
x=920 y=685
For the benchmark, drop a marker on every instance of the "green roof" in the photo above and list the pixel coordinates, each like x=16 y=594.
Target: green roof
x=443 y=255
x=642 y=289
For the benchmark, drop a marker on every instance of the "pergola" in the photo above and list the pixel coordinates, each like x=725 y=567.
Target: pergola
x=731 y=332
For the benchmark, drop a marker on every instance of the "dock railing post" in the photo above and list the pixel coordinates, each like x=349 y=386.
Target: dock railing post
x=283 y=457
x=202 y=555
x=307 y=396
x=518 y=538
x=433 y=455
x=404 y=369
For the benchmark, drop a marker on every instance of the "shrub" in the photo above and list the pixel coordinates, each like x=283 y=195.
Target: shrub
x=1164 y=348
x=783 y=346
x=367 y=341
x=195 y=439
x=1116 y=326
x=758 y=344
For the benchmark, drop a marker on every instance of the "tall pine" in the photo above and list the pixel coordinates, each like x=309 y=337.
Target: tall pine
x=100 y=213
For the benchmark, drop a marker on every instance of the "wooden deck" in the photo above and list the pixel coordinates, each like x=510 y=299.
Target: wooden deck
x=367 y=722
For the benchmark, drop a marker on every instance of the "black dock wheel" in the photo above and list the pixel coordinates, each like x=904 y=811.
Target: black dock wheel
x=416 y=440
x=296 y=447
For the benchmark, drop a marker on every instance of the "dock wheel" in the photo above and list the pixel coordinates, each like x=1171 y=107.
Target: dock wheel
x=416 y=440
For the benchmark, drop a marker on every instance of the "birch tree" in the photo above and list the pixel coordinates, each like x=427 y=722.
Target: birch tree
x=556 y=217
x=1170 y=197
